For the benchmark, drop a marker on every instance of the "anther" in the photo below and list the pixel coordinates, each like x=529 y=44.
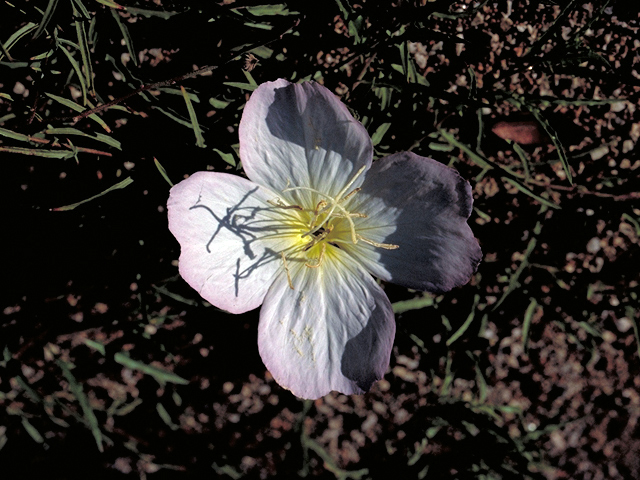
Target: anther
x=350 y=194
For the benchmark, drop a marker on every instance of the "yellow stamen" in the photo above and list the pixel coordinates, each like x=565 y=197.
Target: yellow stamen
x=286 y=269
x=319 y=260
x=278 y=203
x=386 y=246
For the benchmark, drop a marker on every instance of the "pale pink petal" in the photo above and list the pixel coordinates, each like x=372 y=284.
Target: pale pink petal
x=333 y=331
x=295 y=135
x=422 y=206
x=230 y=238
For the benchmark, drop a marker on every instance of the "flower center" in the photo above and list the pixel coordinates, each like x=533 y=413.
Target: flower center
x=325 y=224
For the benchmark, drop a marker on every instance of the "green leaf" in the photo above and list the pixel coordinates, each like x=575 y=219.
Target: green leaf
x=526 y=191
x=227 y=157
x=523 y=157
x=218 y=104
x=526 y=324
x=32 y=431
x=74 y=106
x=269 y=10
x=14 y=38
x=513 y=281
x=242 y=86
x=162 y=171
x=166 y=418
x=76 y=67
x=378 y=135
x=176 y=118
x=78 y=393
x=127 y=37
x=46 y=18
x=100 y=137
x=463 y=328
x=194 y=119
x=95 y=345
x=176 y=91
x=417 y=303
x=151 y=13
x=476 y=158
x=61 y=154
x=160 y=375
x=14 y=135
x=556 y=142
x=124 y=183
x=83 y=43
x=175 y=296
x=250 y=78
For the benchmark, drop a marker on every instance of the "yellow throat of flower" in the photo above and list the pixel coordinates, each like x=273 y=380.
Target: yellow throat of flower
x=324 y=227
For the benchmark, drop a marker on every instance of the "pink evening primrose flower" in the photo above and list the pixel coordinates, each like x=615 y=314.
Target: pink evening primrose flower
x=304 y=234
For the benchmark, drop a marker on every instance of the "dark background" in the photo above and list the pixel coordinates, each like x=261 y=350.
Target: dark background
x=530 y=370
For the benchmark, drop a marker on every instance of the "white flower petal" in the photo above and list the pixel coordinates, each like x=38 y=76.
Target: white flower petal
x=295 y=135
x=230 y=238
x=334 y=331
x=422 y=206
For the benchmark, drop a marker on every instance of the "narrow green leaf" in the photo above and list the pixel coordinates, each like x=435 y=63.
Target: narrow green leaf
x=111 y=4
x=162 y=171
x=95 y=345
x=194 y=119
x=269 y=10
x=523 y=157
x=477 y=159
x=176 y=91
x=78 y=70
x=151 y=13
x=218 y=104
x=46 y=18
x=526 y=323
x=32 y=431
x=242 y=86
x=78 y=108
x=250 y=78
x=14 y=38
x=88 y=413
x=562 y=154
x=61 y=154
x=166 y=418
x=83 y=43
x=100 y=137
x=526 y=191
x=14 y=135
x=127 y=37
x=440 y=147
x=463 y=328
x=29 y=391
x=82 y=8
x=378 y=135
x=160 y=375
x=6 y=117
x=175 y=296
x=124 y=183
x=513 y=281
x=173 y=116
x=417 y=303
x=481 y=383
